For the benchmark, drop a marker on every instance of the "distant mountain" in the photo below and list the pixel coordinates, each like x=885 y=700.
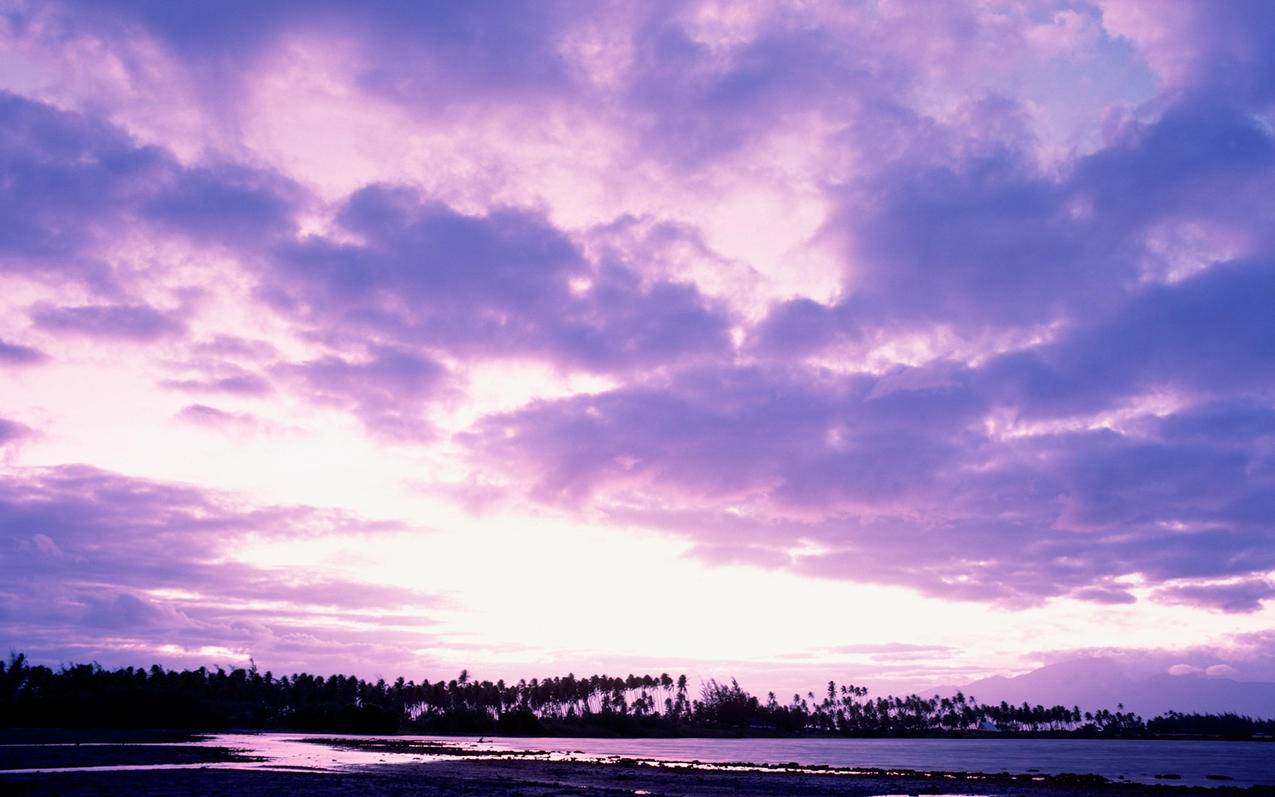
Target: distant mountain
x=1095 y=683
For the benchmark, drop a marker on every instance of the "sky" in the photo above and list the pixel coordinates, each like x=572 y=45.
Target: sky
x=901 y=343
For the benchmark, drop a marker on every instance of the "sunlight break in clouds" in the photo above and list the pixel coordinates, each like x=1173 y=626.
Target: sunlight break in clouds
x=893 y=343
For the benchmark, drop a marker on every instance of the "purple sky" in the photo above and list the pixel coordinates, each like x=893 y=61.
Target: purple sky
x=901 y=343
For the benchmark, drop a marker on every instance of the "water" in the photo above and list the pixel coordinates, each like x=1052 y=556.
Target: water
x=1248 y=763
x=1245 y=763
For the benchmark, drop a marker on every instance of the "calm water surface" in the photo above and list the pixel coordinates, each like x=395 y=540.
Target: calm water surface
x=1248 y=763
x=1245 y=763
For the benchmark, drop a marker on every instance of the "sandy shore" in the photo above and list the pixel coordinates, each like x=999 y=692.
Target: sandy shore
x=464 y=771
x=480 y=776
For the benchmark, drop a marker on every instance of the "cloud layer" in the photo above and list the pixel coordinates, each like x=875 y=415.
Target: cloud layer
x=973 y=302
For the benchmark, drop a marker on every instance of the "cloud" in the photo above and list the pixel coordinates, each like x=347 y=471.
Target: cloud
x=1207 y=335
x=1200 y=46
x=224 y=364
x=894 y=651
x=405 y=270
x=986 y=242
x=135 y=322
x=67 y=176
x=239 y=383
x=1238 y=597
x=1104 y=595
x=203 y=415
x=904 y=477
x=94 y=562
x=512 y=45
x=11 y=431
x=75 y=183
x=228 y=204
x=17 y=355
x=1036 y=363
x=123 y=610
x=506 y=283
x=236 y=348
x=388 y=391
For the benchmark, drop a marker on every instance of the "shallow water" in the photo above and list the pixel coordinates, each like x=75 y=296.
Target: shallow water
x=1247 y=763
x=1244 y=763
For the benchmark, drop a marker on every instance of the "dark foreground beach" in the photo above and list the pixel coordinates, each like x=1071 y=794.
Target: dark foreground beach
x=540 y=778
x=162 y=766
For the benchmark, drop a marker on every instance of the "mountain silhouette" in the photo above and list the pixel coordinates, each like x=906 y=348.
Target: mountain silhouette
x=1094 y=683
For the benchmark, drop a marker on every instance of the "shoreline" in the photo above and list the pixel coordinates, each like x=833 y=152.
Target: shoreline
x=480 y=775
x=112 y=735
x=153 y=763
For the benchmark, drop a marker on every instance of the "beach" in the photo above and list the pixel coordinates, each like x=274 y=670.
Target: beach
x=539 y=778
x=196 y=767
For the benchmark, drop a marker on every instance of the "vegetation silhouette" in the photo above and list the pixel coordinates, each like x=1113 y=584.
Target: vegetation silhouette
x=88 y=695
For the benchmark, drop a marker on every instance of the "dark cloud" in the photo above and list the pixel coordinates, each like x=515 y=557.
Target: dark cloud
x=507 y=48
x=66 y=176
x=981 y=241
x=799 y=327
x=136 y=322
x=1104 y=595
x=1241 y=596
x=899 y=479
x=11 y=431
x=1207 y=335
x=389 y=390
x=125 y=611
x=689 y=101
x=696 y=101
x=15 y=354
x=984 y=241
x=228 y=203
x=501 y=284
x=1235 y=421
x=805 y=440
x=423 y=279
x=74 y=182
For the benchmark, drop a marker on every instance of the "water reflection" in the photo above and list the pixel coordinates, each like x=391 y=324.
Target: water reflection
x=1182 y=763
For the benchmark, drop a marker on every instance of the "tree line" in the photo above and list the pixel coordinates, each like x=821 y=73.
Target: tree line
x=88 y=695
